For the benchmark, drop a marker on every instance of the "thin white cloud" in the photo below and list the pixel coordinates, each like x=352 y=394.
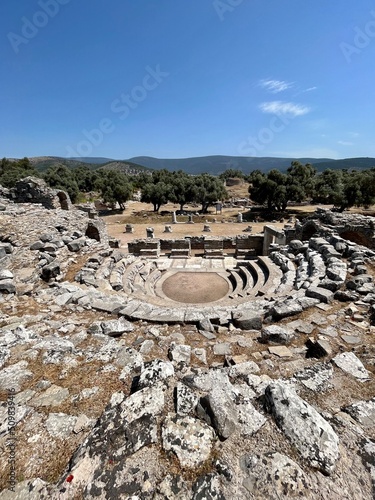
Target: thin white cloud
x=345 y=143
x=310 y=89
x=275 y=86
x=284 y=108
x=353 y=135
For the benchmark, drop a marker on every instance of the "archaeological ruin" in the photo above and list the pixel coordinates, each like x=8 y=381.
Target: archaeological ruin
x=189 y=368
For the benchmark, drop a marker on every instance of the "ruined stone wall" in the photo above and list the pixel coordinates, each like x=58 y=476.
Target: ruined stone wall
x=254 y=242
x=34 y=190
x=353 y=227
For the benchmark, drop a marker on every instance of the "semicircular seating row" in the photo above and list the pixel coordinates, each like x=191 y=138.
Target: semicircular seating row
x=265 y=282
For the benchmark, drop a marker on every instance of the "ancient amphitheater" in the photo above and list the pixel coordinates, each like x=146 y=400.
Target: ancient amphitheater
x=191 y=368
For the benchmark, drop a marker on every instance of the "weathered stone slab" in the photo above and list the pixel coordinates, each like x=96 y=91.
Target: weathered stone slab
x=222 y=349
x=286 y=308
x=53 y=396
x=116 y=327
x=155 y=371
x=273 y=475
x=206 y=325
x=242 y=370
x=148 y=401
x=190 y=439
x=179 y=353
x=317 y=377
x=247 y=320
x=321 y=294
x=108 y=306
x=186 y=400
x=60 y=425
x=349 y=363
x=301 y=326
x=278 y=334
x=14 y=376
x=281 y=351
x=363 y=412
x=222 y=411
x=307 y=430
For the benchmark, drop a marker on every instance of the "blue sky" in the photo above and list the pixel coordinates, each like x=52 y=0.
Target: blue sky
x=180 y=78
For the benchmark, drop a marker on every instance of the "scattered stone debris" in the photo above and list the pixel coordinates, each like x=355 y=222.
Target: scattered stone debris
x=122 y=392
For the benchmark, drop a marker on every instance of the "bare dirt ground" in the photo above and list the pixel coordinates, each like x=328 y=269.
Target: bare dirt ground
x=195 y=288
x=141 y=216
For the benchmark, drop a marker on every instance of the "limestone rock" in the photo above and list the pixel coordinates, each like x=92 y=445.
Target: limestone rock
x=274 y=476
x=281 y=351
x=307 y=430
x=222 y=349
x=60 y=425
x=116 y=327
x=33 y=489
x=190 y=439
x=82 y=423
x=5 y=274
x=285 y=308
x=346 y=296
x=349 y=363
x=180 y=354
x=321 y=294
x=76 y=245
x=250 y=420
x=278 y=334
x=7 y=286
x=205 y=325
x=148 y=401
x=336 y=270
x=222 y=411
x=130 y=359
x=363 y=412
x=242 y=370
x=173 y=487
x=186 y=400
x=154 y=371
x=53 y=396
x=200 y=354
x=247 y=320
x=51 y=271
x=317 y=377
x=208 y=486
x=14 y=376
x=318 y=348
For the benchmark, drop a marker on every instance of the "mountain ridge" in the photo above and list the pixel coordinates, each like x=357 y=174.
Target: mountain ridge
x=214 y=164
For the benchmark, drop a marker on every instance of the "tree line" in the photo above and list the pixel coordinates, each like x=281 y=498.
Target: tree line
x=157 y=188
x=342 y=188
x=274 y=190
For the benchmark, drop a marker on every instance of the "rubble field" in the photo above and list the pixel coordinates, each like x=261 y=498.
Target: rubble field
x=111 y=390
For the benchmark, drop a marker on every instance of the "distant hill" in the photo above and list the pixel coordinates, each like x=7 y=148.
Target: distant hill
x=218 y=164
x=347 y=163
x=196 y=165
x=42 y=163
x=88 y=159
x=125 y=166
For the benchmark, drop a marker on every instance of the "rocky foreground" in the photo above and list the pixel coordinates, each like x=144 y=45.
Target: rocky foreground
x=107 y=408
